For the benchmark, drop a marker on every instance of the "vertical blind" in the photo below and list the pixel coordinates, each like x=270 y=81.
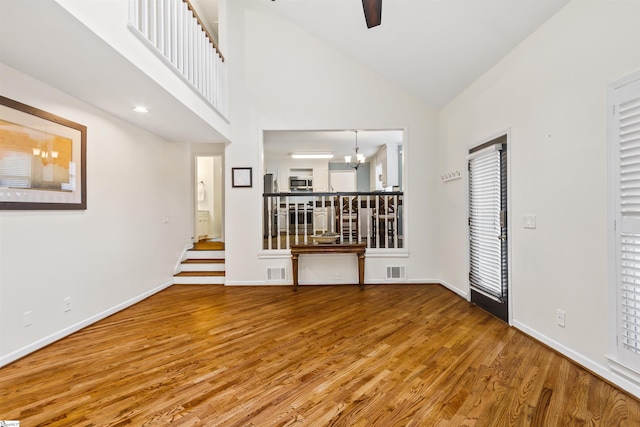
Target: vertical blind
x=486 y=273
x=627 y=138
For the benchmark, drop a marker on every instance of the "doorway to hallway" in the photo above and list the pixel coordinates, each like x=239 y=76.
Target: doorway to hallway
x=209 y=198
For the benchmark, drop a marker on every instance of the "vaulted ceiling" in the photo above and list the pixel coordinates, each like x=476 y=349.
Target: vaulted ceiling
x=433 y=49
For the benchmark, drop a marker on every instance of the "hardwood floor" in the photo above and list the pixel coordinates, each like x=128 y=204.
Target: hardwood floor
x=406 y=355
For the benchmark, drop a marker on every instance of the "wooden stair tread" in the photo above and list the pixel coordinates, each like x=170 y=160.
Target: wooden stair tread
x=208 y=246
x=204 y=261
x=199 y=273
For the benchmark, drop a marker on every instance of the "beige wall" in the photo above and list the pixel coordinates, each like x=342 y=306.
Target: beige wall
x=292 y=81
x=550 y=94
x=107 y=257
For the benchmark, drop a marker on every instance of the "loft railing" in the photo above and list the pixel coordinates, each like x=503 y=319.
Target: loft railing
x=373 y=218
x=174 y=30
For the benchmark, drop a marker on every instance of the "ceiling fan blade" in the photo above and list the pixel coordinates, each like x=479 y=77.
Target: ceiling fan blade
x=372 y=12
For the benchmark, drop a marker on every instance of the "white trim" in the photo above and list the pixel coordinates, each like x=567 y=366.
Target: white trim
x=612 y=313
x=490 y=149
x=386 y=253
x=506 y=131
x=452 y=288
x=585 y=362
x=183 y=256
x=623 y=370
x=256 y=283
x=43 y=342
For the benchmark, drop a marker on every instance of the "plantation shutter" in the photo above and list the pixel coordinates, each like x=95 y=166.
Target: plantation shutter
x=487 y=216
x=626 y=139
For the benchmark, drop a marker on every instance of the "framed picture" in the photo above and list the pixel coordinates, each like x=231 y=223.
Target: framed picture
x=42 y=159
x=241 y=177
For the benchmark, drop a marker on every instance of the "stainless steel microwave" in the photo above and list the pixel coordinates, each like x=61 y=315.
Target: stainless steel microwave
x=296 y=184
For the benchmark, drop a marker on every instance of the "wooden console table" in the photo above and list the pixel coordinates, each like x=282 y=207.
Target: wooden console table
x=329 y=248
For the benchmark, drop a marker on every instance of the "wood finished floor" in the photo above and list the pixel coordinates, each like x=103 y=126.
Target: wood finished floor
x=406 y=355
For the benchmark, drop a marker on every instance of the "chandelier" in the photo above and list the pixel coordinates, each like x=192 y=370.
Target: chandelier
x=46 y=156
x=359 y=158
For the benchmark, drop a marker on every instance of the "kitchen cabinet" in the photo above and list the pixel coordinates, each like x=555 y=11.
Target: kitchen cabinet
x=283 y=181
x=320 y=179
x=203 y=223
x=387 y=156
x=321 y=220
x=282 y=220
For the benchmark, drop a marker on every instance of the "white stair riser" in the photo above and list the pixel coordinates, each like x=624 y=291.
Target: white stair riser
x=199 y=280
x=202 y=267
x=205 y=254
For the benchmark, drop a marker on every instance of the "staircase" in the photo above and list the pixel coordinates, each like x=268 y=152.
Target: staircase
x=204 y=265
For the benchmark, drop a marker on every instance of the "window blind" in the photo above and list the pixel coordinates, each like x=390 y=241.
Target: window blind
x=15 y=170
x=486 y=272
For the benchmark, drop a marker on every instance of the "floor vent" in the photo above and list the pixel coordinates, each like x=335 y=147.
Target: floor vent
x=276 y=274
x=396 y=273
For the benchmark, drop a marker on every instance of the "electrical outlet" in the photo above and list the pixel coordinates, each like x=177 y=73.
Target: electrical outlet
x=165 y=219
x=67 y=304
x=560 y=317
x=338 y=276
x=27 y=318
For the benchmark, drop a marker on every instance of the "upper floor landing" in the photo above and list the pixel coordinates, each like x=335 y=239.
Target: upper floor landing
x=97 y=52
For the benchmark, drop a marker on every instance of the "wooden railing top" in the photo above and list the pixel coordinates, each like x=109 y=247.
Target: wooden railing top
x=204 y=28
x=335 y=194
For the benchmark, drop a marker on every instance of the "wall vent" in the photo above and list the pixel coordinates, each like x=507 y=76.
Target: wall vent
x=396 y=273
x=276 y=274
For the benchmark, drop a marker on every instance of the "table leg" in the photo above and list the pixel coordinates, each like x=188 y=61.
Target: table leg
x=361 y=270
x=294 y=263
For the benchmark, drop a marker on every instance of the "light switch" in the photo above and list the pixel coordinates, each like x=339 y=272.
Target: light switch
x=529 y=221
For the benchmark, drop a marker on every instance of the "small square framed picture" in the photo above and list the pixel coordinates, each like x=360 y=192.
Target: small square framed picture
x=241 y=177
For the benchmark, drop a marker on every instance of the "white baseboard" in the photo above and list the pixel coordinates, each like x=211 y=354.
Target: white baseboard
x=43 y=342
x=452 y=288
x=183 y=256
x=255 y=283
x=596 y=368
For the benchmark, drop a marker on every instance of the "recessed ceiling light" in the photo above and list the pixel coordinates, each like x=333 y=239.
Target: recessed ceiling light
x=312 y=155
x=140 y=109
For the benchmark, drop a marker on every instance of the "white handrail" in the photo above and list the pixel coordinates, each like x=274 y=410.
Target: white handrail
x=371 y=218
x=174 y=31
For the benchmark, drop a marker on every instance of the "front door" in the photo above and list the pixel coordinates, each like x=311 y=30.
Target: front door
x=488 y=227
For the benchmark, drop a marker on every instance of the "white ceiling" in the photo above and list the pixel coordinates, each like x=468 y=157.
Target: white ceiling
x=433 y=49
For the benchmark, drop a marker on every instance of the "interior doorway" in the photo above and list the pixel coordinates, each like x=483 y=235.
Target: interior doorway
x=488 y=232
x=209 y=196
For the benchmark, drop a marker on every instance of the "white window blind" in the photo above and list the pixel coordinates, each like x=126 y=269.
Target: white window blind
x=626 y=143
x=485 y=206
x=15 y=169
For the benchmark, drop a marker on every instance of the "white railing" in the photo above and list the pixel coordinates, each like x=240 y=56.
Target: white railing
x=174 y=30
x=372 y=218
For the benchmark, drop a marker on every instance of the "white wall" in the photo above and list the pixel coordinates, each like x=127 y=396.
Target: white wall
x=109 y=20
x=551 y=93
x=107 y=257
x=284 y=78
